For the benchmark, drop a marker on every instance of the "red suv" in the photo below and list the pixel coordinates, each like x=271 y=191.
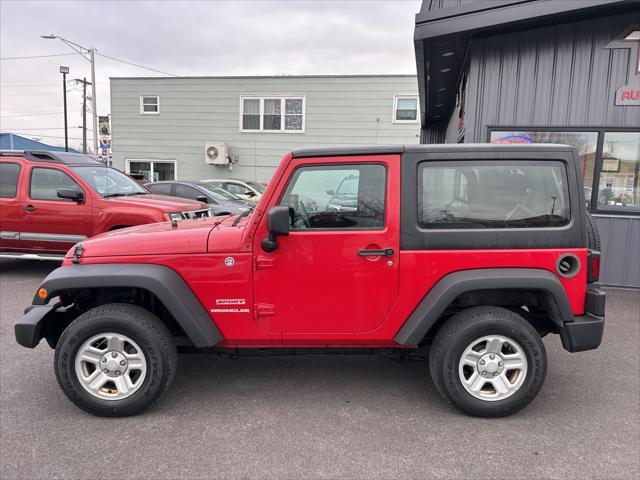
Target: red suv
x=470 y=252
x=50 y=201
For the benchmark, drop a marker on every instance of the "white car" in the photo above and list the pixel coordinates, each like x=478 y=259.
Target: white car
x=252 y=191
x=246 y=189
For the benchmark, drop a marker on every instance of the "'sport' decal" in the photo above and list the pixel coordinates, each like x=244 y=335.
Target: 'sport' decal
x=230 y=301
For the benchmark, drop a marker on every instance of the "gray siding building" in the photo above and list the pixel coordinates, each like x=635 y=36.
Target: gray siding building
x=204 y=127
x=557 y=71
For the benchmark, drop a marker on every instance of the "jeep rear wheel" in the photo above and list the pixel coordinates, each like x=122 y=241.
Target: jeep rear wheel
x=115 y=360
x=488 y=361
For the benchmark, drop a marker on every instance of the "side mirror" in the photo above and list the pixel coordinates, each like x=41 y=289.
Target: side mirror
x=331 y=192
x=277 y=224
x=71 y=194
x=202 y=199
x=250 y=193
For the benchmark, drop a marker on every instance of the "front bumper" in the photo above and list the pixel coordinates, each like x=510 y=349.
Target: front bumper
x=585 y=332
x=28 y=329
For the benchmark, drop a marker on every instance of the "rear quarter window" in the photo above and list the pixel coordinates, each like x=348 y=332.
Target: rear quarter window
x=9 y=174
x=160 y=188
x=501 y=194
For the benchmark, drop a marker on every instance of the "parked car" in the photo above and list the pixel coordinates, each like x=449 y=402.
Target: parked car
x=252 y=191
x=139 y=178
x=474 y=252
x=50 y=201
x=220 y=201
x=246 y=189
x=345 y=197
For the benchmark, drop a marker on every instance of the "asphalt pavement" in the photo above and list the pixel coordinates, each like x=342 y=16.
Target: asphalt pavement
x=322 y=416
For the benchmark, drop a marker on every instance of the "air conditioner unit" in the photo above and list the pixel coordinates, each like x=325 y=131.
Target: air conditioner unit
x=216 y=153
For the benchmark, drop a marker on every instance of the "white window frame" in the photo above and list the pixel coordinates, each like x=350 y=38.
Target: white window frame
x=283 y=99
x=142 y=112
x=395 y=107
x=151 y=161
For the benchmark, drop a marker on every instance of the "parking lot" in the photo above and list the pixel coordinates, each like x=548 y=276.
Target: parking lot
x=322 y=416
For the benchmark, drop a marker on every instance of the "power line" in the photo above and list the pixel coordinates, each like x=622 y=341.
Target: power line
x=34 y=129
x=18 y=132
x=30 y=86
x=36 y=114
x=26 y=94
x=38 y=56
x=136 y=65
x=40 y=84
x=35 y=83
x=45 y=85
x=8 y=111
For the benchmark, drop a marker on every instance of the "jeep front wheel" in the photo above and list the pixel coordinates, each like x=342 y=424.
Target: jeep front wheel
x=488 y=361
x=115 y=360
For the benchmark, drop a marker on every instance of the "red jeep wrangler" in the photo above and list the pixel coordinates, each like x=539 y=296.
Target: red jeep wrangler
x=472 y=251
x=50 y=201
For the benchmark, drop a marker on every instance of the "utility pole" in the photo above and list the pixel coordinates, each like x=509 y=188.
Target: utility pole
x=93 y=101
x=84 y=111
x=89 y=54
x=64 y=71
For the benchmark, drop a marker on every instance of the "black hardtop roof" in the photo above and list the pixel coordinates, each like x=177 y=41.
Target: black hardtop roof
x=66 y=158
x=444 y=147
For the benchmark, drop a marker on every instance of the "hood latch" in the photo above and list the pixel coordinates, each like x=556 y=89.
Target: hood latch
x=77 y=253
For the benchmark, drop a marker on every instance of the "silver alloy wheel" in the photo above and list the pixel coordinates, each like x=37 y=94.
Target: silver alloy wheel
x=493 y=368
x=111 y=366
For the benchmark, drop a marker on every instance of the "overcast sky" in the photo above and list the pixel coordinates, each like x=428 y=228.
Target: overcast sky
x=186 y=38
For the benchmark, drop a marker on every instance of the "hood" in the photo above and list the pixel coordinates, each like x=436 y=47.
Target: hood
x=164 y=202
x=186 y=237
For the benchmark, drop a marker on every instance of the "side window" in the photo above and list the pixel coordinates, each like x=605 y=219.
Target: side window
x=160 y=188
x=405 y=109
x=237 y=189
x=494 y=195
x=149 y=105
x=9 y=174
x=185 y=191
x=45 y=183
x=337 y=197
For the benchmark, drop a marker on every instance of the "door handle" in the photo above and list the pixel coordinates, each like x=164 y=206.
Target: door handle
x=385 y=252
x=29 y=208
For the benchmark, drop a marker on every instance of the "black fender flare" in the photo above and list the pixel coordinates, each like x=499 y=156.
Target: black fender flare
x=451 y=286
x=163 y=282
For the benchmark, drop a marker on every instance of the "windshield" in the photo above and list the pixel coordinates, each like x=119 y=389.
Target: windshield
x=219 y=193
x=109 y=182
x=256 y=186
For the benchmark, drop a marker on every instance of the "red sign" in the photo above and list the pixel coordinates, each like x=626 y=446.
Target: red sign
x=627 y=95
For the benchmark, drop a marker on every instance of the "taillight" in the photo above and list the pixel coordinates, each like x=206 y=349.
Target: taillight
x=593 y=268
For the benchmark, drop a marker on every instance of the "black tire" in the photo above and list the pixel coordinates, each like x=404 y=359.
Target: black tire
x=139 y=325
x=459 y=332
x=593 y=234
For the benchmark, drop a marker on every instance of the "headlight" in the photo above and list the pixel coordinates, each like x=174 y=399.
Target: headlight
x=173 y=216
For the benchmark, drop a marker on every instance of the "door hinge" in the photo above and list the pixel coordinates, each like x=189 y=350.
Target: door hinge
x=263 y=263
x=265 y=309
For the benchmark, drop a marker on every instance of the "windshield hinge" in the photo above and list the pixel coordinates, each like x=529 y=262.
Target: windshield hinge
x=264 y=263
x=265 y=310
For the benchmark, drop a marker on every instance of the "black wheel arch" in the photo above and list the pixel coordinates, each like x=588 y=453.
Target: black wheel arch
x=428 y=314
x=160 y=283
